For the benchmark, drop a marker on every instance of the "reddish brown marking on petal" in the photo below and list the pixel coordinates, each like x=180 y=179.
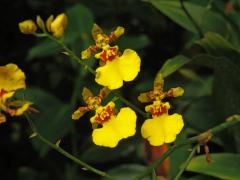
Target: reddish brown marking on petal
x=12 y=112
x=2 y=92
x=112 y=37
x=109 y=54
x=105 y=115
x=103 y=56
x=158 y=110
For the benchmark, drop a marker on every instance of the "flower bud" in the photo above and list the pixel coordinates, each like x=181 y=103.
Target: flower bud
x=40 y=22
x=119 y=31
x=178 y=91
x=27 y=26
x=58 y=25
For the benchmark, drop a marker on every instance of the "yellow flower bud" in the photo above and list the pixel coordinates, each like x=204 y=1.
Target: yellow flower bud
x=86 y=54
x=27 y=26
x=49 y=22
x=40 y=22
x=58 y=25
x=119 y=31
x=178 y=91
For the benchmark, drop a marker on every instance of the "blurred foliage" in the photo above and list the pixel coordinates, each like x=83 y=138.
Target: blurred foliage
x=168 y=42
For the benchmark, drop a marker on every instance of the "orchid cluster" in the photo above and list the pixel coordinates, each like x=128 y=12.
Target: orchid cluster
x=110 y=125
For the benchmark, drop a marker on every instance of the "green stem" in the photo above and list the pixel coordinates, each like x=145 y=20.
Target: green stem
x=125 y=101
x=71 y=54
x=233 y=120
x=76 y=58
x=193 y=152
x=65 y=153
x=191 y=19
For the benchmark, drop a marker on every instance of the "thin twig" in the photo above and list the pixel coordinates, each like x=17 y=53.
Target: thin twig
x=71 y=54
x=193 y=152
x=191 y=19
x=65 y=153
x=125 y=101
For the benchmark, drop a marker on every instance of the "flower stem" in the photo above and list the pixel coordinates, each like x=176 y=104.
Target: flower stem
x=125 y=101
x=71 y=54
x=65 y=153
x=193 y=152
x=80 y=61
x=233 y=120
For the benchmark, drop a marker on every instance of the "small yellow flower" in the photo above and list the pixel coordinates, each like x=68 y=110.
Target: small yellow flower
x=57 y=26
x=118 y=69
x=93 y=102
x=114 y=126
x=27 y=26
x=11 y=79
x=162 y=128
x=115 y=68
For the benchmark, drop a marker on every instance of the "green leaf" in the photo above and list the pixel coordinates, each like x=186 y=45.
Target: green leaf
x=200 y=114
x=226 y=84
x=42 y=49
x=95 y=154
x=216 y=45
x=53 y=120
x=27 y=173
x=173 y=64
x=206 y=19
x=128 y=171
x=202 y=177
x=79 y=27
x=224 y=166
x=179 y=156
x=133 y=42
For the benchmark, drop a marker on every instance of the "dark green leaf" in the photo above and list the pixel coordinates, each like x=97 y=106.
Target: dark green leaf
x=206 y=19
x=224 y=166
x=216 y=45
x=54 y=119
x=178 y=157
x=128 y=171
x=133 y=42
x=42 y=49
x=95 y=154
x=173 y=64
x=200 y=114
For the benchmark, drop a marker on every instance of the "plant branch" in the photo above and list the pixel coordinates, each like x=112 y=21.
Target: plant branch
x=71 y=54
x=199 y=30
x=193 y=152
x=125 y=101
x=203 y=137
x=65 y=153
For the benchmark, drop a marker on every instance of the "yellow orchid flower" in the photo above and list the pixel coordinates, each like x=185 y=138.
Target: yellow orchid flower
x=114 y=126
x=115 y=68
x=11 y=79
x=162 y=128
x=118 y=69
